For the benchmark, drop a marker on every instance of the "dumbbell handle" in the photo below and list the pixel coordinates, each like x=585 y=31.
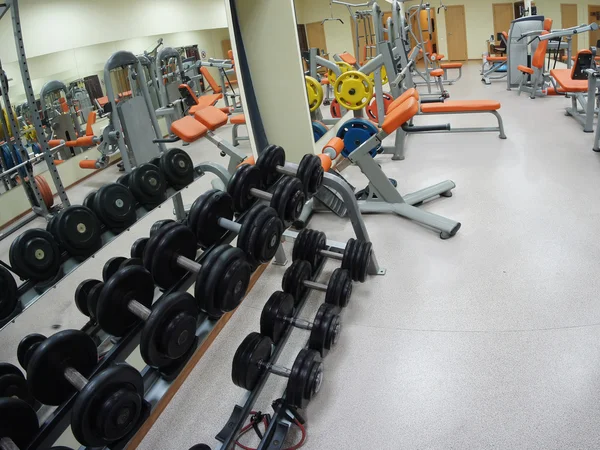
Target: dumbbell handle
x=75 y=378
x=263 y=195
x=230 y=225
x=332 y=255
x=277 y=370
x=138 y=309
x=316 y=286
x=300 y=323
x=7 y=444
x=286 y=170
x=188 y=264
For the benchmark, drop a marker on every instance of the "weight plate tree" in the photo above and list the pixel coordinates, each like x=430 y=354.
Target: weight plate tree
x=251 y=361
x=259 y=235
x=287 y=199
x=107 y=407
x=221 y=280
x=35 y=255
x=311 y=245
x=115 y=206
x=296 y=281
x=9 y=296
x=278 y=314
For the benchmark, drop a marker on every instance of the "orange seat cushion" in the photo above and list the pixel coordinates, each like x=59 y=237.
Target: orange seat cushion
x=437 y=72
x=188 y=129
x=497 y=58
x=348 y=58
x=451 y=65
x=238 y=120
x=325 y=81
x=210 y=80
x=437 y=57
x=409 y=93
x=563 y=78
x=400 y=115
x=525 y=69
x=460 y=106
x=211 y=117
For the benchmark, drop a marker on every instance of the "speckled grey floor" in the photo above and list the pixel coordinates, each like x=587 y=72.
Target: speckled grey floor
x=488 y=340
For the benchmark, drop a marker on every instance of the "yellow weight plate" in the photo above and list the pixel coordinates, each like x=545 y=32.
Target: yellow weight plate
x=384 y=77
x=344 y=67
x=314 y=91
x=353 y=90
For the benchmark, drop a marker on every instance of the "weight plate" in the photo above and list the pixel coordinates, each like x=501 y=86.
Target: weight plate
x=326 y=329
x=248 y=221
x=35 y=255
x=150 y=246
x=111 y=266
x=161 y=258
x=129 y=283
x=82 y=294
x=158 y=225
x=310 y=173
x=9 y=297
x=319 y=129
x=92 y=302
x=18 y=421
x=305 y=379
x=13 y=384
x=177 y=168
x=27 y=346
x=45 y=191
x=339 y=288
x=267 y=163
x=268 y=236
x=245 y=178
x=115 y=206
x=155 y=161
x=288 y=199
x=204 y=216
x=362 y=267
x=148 y=185
x=137 y=248
x=372 y=108
x=204 y=296
x=124 y=179
x=170 y=331
x=355 y=132
x=78 y=230
x=278 y=308
x=234 y=279
x=109 y=407
x=246 y=369
x=46 y=378
x=293 y=280
x=132 y=262
x=88 y=201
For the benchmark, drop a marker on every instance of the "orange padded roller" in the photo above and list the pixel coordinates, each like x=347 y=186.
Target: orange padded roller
x=337 y=144
x=87 y=164
x=54 y=142
x=91 y=120
x=84 y=141
x=325 y=162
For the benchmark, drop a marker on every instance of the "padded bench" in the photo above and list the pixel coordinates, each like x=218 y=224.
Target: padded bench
x=566 y=83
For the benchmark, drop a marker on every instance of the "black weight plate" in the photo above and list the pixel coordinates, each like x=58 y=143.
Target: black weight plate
x=316 y=241
x=177 y=168
x=9 y=297
x=45 y=371
x=205 y=214
x=288 y=199
x=170 y=330
x=148 y=185
x=248 y=222
x=227 y=280
x=339 y=288
x=35 y=255
x=88 y=201
x=150 y=246
x=82 y=294
x=111 y=266
x=360 y=270
x=326 y=329
x=18 y=421
x=267 y=163
x=124 y=179
x=265 y=237
x=300 y=250
x=13 y=384
x=246 y=370
x=243 y=180
x=50 y=227
x=115 y=206
x=205 y=297
x=273 y=321
x=155 y=161
x=93 y=297
x=310 y=173
x=27 y=346
x=158 y=225
x=137 y=248
x=132 y=262
x=349 y=254
x=129 y=283
x=199 y=447
x=176 y=241
x=304 y=381
x=293 y=280
x=109 y=406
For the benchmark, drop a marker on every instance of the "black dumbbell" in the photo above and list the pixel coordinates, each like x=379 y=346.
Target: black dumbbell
x=13 y=383
x=9 y=293
x=18 y=424
x=287 y=198
x=271 y=163
x=35 y=255
x=311 y=246
x=108 y=405
x=278 y=313
x=77 y=230
x=137 y=248
x=148 y=185
x=296 y=281
x=259 y=235
x=86 y=297
x=170 y=326
x=158 y=225
x=221 y=280
x=177 y=168
x=118 y=262
x=252 y=360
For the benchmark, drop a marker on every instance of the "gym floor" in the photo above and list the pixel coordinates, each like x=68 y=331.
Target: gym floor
x=490 y=339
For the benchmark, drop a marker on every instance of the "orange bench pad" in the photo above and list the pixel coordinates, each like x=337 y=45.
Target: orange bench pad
x=348 y=58
x=409 y=93
x=451 y=65
x=437 y=73
x=188 y=129
x=400 y=115
x=496 y=58
x=204 y=101
x=563 y=78
x=525 y=69
x=460 y=106
x=240 y=119
x=209 y=78
x=211 y=117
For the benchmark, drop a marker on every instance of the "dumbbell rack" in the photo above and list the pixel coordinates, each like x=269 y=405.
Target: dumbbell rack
x=29 y=291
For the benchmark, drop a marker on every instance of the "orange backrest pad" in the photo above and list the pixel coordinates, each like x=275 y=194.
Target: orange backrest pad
x=211 y=117
x=91 y=120
x=409 y=93
x=400 y=115
x=539 y=57
x=188 y=129
x=191 y=93
x=230 y=54
x=584 y=51
x=548 y=24
x=429 y=46
x=348 y=58
x=505 y=34
x=209 y=78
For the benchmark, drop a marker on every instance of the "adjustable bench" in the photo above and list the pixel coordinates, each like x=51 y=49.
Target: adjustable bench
x=581 y=92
